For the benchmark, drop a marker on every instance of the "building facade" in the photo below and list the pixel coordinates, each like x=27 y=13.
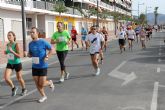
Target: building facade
x=39 y=13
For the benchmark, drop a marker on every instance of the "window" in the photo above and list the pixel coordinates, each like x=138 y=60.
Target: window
x=16 y=27
x=1 y=30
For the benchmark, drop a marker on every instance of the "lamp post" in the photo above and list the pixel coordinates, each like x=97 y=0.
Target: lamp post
x=146 y=12
x=138 y=8
x=23 y=27
x=115 y=20
x=97 y=22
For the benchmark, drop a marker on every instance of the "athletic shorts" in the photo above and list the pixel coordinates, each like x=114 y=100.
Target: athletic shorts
x=94 y=53
x=130 y=39
x=121 y=41
x=16 y=67
x=39 y=72
x=74 y=39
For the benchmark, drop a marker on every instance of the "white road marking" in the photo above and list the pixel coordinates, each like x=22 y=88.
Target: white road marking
x=160 y=54
x=158 y=70
x=132 y=108
x=19 y=98
x=155 y=96
x=124 y=76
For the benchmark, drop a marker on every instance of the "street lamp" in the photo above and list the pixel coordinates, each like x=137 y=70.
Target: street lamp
x=146 y=11
x=23 y=27
x=138 y=8
x=97 y=22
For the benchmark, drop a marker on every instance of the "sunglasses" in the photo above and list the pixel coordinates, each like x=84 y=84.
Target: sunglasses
x=93 y=28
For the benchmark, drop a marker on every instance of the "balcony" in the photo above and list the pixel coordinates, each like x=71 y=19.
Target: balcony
x=40 y=5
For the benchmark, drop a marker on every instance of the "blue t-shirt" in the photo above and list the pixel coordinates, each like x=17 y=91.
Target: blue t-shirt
x=38 y=49
x=84 y=32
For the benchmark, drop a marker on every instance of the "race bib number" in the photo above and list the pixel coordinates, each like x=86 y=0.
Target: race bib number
x=61 y=39
x=142 y=38
x=10 y=56
x=35 y=60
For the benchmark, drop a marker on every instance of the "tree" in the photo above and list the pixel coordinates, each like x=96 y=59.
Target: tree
x=142 y=19
x=87 y=13
x=156 y=14
x=60 y=7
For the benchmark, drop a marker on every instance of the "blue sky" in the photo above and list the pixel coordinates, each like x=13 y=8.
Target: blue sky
x=151 y=4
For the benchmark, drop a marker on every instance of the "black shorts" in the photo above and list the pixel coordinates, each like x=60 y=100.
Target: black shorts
x=130 y=39
x=39 y=72
x=74 y=39
x=16 y=67
x=121 y=41
x=94 y=53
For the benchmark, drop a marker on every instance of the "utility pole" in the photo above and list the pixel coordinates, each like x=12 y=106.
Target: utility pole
x=97 y=22
x=23 y=27
x=139 y=8
x=115 y=18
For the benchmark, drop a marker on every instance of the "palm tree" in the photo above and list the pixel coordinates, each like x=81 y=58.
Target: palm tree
x=156 y=14
x=60 y=7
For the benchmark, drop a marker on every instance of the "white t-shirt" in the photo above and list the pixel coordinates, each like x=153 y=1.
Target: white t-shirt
x=95 y=42
x=131 y=34
x=121 y=34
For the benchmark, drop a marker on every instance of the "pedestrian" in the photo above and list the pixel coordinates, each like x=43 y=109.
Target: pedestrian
x=95 y=41
x=14 y=62
x=83 y=37
x=40 y=50
x=74 y=36
x=122 y=37
x=131 y=37
x=62 y=39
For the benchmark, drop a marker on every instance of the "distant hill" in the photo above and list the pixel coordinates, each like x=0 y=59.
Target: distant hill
x=151 y=18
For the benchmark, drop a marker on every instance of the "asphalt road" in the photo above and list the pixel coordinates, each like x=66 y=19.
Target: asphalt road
x=133 y=80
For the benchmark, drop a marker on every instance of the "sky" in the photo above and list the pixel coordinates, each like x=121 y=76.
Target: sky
x=150 y=4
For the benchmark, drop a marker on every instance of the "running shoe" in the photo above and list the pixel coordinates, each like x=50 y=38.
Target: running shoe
x=97 y=71
x=42 y=99
x=61 y=79
x=14 y=91
x=67 y=75
x=52 y=85
x=24 y=92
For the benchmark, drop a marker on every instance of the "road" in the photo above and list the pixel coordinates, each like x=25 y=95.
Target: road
x=133 y=80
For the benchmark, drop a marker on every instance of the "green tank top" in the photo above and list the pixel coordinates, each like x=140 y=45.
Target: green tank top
x=12 y=59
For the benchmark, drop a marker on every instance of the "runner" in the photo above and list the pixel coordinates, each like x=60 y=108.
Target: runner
x=74 y=37
x=83 y=34
x=62 y=39
x=14 y=62
x=96 y=43
x=142 y=35
x=122 y=37
x=105 y=33
x=131 y=36
x=38 y=51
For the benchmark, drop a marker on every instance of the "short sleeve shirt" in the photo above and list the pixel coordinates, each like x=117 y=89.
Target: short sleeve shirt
x=131 y=34
x=37 y=49
x=63 y=37
x=121 y=34
x=95 y=42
